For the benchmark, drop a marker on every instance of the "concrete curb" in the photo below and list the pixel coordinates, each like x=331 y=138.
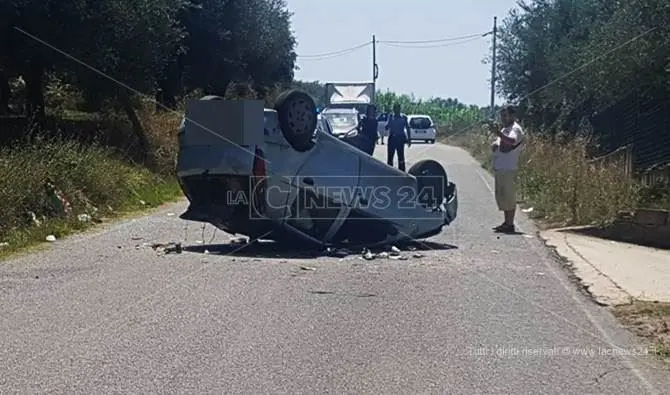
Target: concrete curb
x=602 y=288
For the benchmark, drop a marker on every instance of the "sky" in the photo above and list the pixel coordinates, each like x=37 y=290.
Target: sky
x=439 y=69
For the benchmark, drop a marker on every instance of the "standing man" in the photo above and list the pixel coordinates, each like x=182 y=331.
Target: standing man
x=367 y=131
x=397 y=125
x=506 y=150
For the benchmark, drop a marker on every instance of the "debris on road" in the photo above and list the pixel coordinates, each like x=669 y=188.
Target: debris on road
x=395 y=254
x=167 y=248
x=368 y=255
x=307 y=268
x=239 y=240
x=170 y=214
x=174 y=249
x=4 y=244
x=528 y=210
x=51 y=238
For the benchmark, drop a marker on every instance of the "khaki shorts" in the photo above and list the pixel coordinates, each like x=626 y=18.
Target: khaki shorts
x=505 y=190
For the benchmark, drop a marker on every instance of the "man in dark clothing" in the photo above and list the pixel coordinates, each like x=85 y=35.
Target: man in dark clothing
x=397 y=125
x=367 y=131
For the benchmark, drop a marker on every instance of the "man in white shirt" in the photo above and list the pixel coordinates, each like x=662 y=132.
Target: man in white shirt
x=506 y=150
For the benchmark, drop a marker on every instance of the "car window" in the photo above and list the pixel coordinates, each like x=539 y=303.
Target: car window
x=342 y=120
x=420 y=123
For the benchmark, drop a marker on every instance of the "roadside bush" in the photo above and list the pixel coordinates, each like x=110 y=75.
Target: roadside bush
x=559 y=181
x=161 y=129
x=92 y=179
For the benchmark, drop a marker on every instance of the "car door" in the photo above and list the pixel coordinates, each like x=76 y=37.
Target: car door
x=324 y=188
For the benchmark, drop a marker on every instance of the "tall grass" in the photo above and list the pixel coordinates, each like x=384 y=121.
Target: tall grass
x=94 y=180
x=559 y=181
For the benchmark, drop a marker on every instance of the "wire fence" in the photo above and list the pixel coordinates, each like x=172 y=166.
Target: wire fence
x=636 y=132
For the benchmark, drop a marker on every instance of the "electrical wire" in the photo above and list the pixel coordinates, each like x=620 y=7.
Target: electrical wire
x=330 y=56
x=436 y=43
x=444 y=45
x=439 y=40
x=344 y=51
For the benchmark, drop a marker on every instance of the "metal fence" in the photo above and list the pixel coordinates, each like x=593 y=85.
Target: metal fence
x=636 y=132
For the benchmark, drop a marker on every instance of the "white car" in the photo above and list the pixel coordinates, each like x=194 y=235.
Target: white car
x=342 y=120
x=382 y=120
x=422 y=127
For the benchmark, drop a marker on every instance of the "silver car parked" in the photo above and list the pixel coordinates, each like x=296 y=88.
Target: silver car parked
x=273 y=174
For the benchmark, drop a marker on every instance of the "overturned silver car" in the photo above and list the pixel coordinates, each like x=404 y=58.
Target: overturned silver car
x=272 y=174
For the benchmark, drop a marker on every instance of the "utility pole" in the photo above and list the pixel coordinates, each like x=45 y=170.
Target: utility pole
x=375 y=69
x=493 y=67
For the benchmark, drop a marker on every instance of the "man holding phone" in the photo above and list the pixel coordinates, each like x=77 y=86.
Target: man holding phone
x=506 y=150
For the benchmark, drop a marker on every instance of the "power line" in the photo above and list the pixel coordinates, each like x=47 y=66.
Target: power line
x=439 y=40
x=444 y=45
x=338 y=52
x=438 y=43
x=330 y=56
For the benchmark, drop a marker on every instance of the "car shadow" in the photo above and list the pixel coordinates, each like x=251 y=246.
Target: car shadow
x=260 y=249
x=275 y=250
x=424 y=245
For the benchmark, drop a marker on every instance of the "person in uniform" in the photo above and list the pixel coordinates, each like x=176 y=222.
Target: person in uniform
x=367 y=131
x=399 y=135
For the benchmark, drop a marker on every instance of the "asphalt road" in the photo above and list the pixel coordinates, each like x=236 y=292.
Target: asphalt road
x=480 y=313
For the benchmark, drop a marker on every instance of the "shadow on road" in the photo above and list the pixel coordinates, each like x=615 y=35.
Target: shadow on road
x=270 y=249
x=515 y=233
x=422 y=245
x=259 y=249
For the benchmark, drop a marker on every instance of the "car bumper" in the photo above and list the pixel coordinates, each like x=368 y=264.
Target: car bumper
x=451 y=205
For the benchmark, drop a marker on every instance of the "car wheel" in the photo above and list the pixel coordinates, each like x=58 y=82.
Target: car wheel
x=432 y=141
x=431 y=180
x=296 y=111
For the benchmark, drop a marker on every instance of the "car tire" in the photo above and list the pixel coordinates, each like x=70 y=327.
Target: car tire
x=432 y=141
x=297 y=115
x=431 y=183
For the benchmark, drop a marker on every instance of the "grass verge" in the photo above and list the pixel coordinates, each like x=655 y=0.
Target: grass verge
x=562 y=186
x=650 y=320
x=94 y=181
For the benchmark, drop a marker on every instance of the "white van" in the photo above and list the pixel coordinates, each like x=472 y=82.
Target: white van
x=421 y=128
